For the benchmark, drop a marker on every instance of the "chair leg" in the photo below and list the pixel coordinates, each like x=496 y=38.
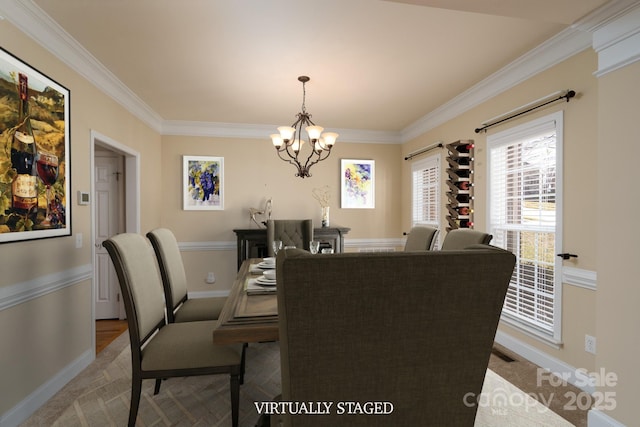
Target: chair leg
x=136 y=389
x=156 y=389
x=234 y=385
x=242 y=363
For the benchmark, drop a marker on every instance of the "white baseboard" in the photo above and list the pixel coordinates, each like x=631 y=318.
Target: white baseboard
x=596 y=418
x=23 y=410
x=573 y=375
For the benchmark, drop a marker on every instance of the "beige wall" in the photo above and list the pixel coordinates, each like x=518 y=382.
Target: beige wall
x=580 y=143
x=46 y=334
x=252 y=174
x=618 y=317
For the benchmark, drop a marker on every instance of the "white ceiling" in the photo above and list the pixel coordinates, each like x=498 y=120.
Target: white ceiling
x=374 y=64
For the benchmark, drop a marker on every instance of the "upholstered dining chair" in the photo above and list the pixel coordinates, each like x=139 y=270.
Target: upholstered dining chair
x=292 y=232
x=462 y=237
x=421 y=238
x=174 y=280
x=419 y=365
x=158 y=349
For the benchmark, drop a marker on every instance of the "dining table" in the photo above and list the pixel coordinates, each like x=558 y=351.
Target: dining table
x=250 y=313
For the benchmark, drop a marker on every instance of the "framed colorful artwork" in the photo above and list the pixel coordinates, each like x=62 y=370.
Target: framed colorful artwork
x=357 y=184
x=203 y=183
x=35 y=161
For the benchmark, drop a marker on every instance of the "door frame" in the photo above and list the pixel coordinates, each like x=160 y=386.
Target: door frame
x=131 y=198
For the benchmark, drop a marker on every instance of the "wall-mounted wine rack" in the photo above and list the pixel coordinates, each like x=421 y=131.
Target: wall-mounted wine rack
x=460 y=183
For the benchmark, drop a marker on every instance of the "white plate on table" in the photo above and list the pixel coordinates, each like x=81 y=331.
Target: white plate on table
x=265 y=265
x=263 y=281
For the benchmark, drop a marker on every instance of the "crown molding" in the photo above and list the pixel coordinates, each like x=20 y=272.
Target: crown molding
x=617 y=42
x=213 y=129
x=32 y=20
x=370 y=136
x=555 y=50
x=564 y=45
x=35 y=23
x=245 y=130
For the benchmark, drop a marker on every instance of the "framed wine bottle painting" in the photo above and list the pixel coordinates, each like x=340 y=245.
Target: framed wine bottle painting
x=34 y=153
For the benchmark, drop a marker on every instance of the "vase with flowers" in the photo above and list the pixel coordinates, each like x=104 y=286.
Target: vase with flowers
x=322 y=195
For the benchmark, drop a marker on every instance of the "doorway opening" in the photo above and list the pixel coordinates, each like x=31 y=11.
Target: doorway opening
x=115 y=208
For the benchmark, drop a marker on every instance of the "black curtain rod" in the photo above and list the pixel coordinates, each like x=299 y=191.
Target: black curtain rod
x=424 y=150
x=570 y=94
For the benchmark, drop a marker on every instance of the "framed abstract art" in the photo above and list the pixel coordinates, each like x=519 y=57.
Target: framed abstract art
x=357 y=184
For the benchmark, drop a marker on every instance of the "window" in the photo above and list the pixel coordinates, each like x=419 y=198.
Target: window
x=524 y=191
x=426 y=192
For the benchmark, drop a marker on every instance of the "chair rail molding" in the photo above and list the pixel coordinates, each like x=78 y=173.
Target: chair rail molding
x=578 y=277
x=358 y=244
x=22 y=292
x=207 y=246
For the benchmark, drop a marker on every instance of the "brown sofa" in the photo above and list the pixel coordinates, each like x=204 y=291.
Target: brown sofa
x=387 y=339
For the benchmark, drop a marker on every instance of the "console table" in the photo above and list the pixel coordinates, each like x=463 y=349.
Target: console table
x=252 y=242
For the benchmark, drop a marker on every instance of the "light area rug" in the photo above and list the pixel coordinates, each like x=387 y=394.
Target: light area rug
x=100 y=397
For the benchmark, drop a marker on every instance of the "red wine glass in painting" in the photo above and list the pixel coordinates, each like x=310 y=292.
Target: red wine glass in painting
x=47 y=167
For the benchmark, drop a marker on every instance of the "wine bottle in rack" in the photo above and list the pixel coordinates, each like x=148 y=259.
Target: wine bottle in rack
x=464 y=161
x=460 y=183
x=24 y=187
x=463 y=173
x=459 y=149
x=464 y=211
x=462 y=198
x=459 y=187
x=464 y=223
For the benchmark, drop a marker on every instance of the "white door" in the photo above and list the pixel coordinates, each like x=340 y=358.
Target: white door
x=108 y=192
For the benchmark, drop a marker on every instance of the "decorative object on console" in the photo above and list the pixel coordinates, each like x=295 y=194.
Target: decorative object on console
x=322 y=195
x=357 y=189
x=266 y=212
x=289 y=140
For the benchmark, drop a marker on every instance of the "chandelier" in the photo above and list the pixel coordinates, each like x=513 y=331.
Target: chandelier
x=289 y=141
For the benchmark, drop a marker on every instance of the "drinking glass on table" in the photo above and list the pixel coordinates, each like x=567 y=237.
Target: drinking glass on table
x=276 y=245
x=314 y=245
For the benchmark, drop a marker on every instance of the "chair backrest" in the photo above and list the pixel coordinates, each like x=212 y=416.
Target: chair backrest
x=421 y=238
x=141 y=287
x=292 y=232
x=415 y=329
x=174 y=278
x=462 y=237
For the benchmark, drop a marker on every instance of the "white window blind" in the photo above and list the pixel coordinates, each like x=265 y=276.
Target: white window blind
x=426 y=191
x=524 y=206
